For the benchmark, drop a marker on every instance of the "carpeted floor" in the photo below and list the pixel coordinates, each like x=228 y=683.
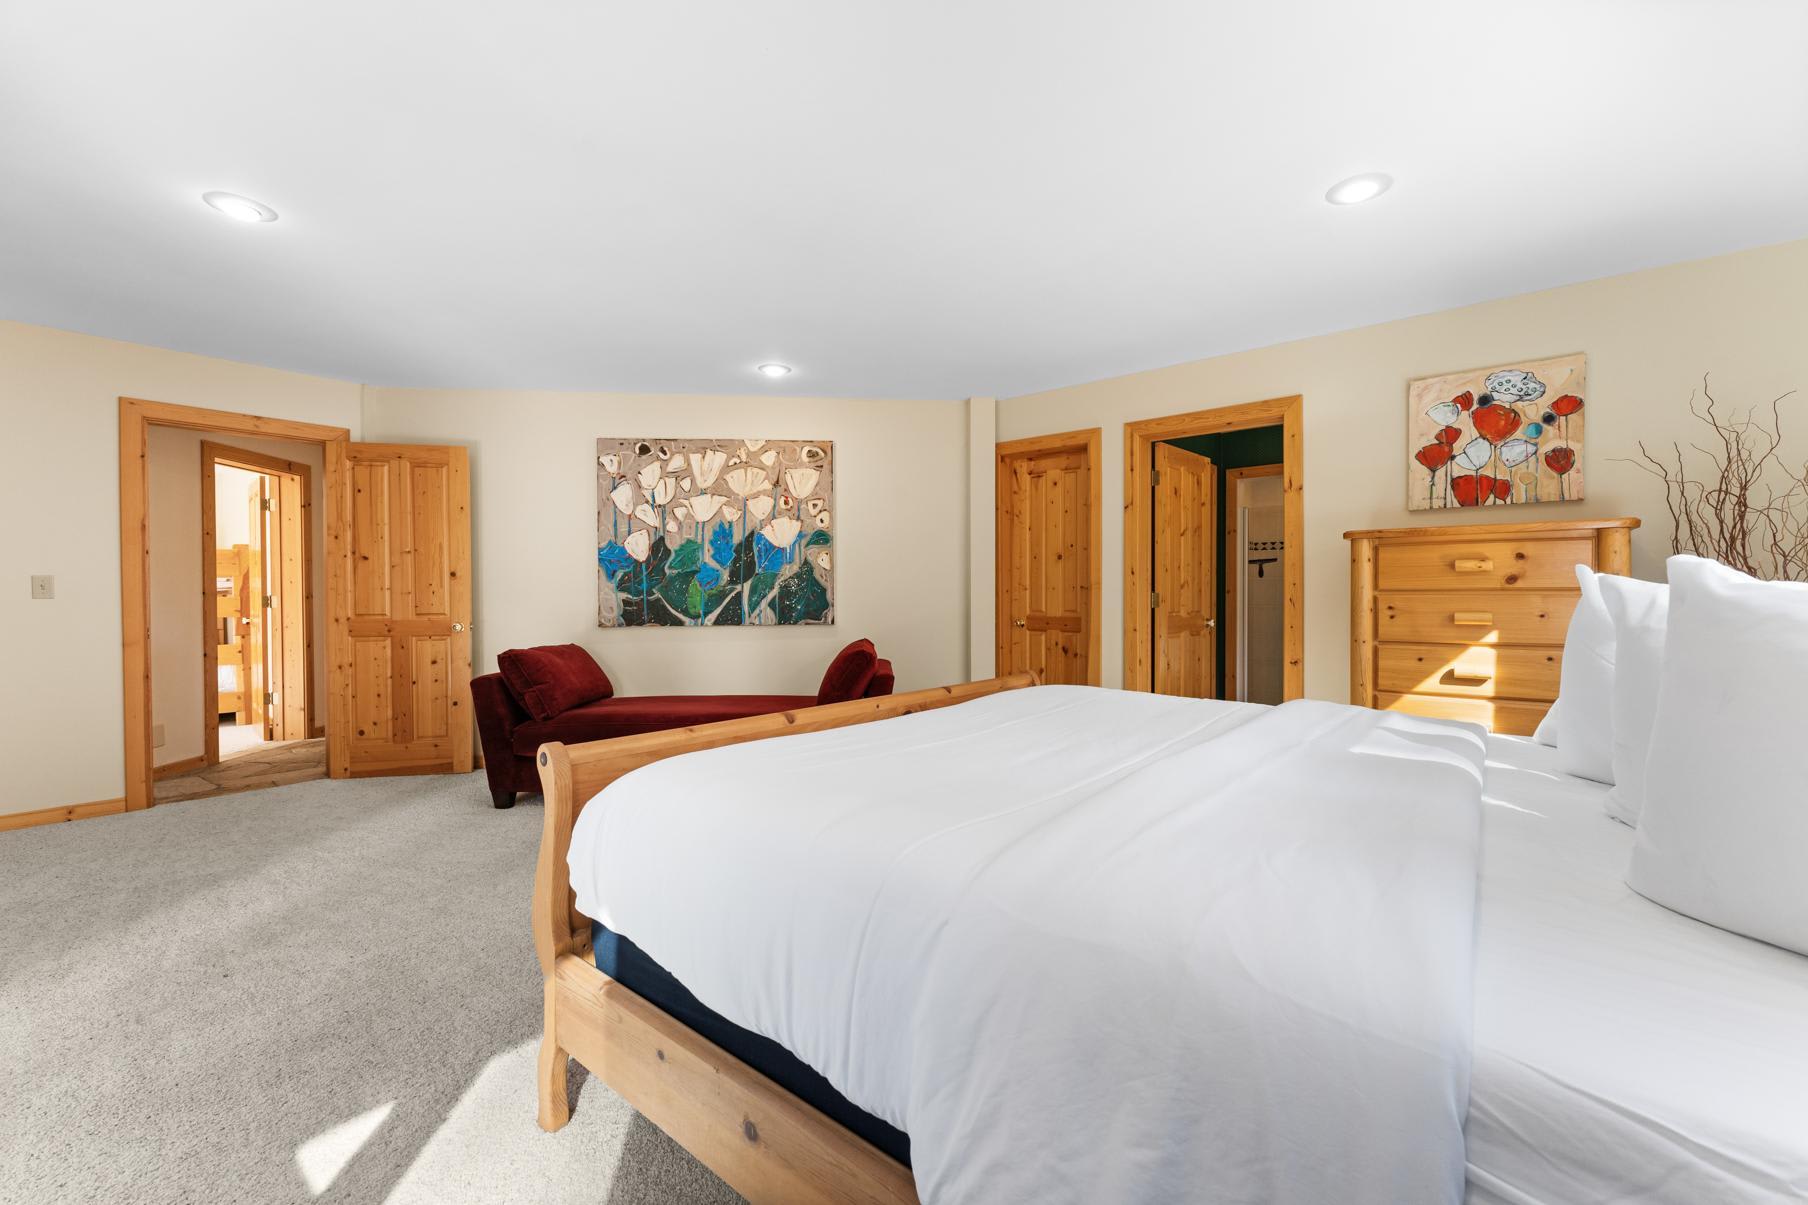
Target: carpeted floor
x=319 y=992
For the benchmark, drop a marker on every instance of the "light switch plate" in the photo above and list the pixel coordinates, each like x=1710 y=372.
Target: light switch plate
x=156 y=736
x=43 y=585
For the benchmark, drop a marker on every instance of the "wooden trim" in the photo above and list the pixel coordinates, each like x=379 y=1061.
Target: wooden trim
x=1139 y=442
x=1090 y=441
x=167 y=414
x=338 y=611
x=764 y=1142
x=1461 y=531
x=136 y=416
x=57 y=815
x=174 y=769
x=1234 y=566
x=212 y=455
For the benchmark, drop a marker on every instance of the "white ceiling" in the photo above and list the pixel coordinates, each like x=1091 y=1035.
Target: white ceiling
x=906 y=199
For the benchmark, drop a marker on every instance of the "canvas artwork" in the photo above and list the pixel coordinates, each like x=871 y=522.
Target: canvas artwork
x=714 y=532
x=1497 y=436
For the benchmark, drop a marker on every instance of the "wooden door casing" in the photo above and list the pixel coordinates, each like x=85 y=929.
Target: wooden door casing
x=1185 y=554
x=399 y=547
x=1048 y=557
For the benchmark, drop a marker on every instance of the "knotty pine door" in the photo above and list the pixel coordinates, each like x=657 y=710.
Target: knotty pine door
x=399 y=634
x=1048 y=568
x=1185 y=601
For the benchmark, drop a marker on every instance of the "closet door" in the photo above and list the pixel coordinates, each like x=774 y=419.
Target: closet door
x=399 y=594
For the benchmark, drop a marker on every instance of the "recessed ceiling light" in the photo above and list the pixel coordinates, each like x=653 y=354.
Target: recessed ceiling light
x=1358 y=189
x=774 y=370
x=242 y=209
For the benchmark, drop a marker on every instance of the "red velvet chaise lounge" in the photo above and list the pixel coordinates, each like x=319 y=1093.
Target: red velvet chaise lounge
x=560 y=693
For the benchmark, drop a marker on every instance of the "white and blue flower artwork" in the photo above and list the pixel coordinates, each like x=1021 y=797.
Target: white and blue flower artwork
x=714 y=533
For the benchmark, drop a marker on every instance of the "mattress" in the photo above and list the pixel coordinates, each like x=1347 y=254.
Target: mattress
x=1622 y=1052
x=630 y=966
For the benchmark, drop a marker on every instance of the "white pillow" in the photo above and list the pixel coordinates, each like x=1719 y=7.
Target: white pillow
x=1549 y=726
x=1585 y=727
x=1723 y=836
x=1639 y=611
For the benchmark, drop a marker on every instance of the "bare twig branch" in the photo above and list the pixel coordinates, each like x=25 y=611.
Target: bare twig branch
x=1749 y=507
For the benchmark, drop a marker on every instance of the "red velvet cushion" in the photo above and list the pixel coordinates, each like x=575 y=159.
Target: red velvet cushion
x=883 y=681
x=849 y=673
x=553 y=678
x=634 y=714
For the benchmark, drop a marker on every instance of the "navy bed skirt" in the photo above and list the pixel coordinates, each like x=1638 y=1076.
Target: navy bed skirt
x=628 y=965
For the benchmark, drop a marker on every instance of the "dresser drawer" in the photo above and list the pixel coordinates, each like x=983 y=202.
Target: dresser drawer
x=1512 y=718
x=1475 y=617
x=1482 y=564
x=1484 y=671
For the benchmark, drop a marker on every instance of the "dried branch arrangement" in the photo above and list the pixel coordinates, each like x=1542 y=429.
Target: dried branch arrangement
x=1748 y=506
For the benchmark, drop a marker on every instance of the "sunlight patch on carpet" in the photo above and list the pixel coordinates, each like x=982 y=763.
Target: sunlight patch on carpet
x=322 y=1157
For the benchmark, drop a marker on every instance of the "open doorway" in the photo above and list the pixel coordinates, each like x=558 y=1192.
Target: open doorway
x=257 y=575
x=1255 y=652
x=1208 y=588
x=1203 y=643
x=394 y=641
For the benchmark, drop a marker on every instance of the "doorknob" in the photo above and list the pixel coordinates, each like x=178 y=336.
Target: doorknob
x=1211 y=623
x=458 y=627
x=1019 y=623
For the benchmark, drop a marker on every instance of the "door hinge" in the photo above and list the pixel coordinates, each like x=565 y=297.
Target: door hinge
x=265 y=502
x=269 y=699
x=1154 y=600
x=1155 y=477
x=268 y=601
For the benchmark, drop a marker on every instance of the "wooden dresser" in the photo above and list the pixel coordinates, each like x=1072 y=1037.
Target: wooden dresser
x=1467 y=623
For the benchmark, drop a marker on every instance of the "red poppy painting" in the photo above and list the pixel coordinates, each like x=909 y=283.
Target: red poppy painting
x=1497 y=436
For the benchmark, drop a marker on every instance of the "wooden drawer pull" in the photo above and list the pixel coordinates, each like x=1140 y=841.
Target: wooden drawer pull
x=1452 y=678
x=1473 y=619
x=1473 y=564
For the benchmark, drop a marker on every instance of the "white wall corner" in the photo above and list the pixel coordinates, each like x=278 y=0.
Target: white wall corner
x=982 y=535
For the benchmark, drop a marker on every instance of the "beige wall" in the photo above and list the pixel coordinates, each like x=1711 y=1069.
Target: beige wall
x=178 y=690
x=60 y=708
x=982 y=531
x=1649 y=337
x=901 y=530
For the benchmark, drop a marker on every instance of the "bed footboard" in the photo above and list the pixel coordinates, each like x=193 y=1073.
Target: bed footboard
x=763 y=1141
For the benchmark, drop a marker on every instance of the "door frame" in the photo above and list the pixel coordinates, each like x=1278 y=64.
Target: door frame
x=1088 y=441
x=1234 y=567
x=213 y=455
x=136 y=417
x=1140 y=438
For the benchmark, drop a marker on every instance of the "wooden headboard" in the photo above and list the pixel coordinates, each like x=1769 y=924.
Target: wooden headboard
x=572 y=775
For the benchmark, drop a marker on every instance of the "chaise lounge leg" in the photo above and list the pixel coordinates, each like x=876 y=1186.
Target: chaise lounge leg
x=502 y=799
x=555 y=1110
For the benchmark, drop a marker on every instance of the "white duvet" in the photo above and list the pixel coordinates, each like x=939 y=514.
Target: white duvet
x=1087 y=945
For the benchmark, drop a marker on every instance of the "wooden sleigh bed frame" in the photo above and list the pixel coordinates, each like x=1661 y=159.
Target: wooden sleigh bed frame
x=763 y=1141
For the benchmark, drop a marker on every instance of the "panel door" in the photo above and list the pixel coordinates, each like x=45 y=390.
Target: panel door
x=285 y=647
x=1185 y=602
x=399 y=549
x=1044 y=556
x=256 y=610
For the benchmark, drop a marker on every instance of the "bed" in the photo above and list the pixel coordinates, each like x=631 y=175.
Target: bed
x=1618 y=1051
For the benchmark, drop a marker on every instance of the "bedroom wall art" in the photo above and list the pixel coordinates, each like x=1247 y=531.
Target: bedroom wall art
x=714 y=532
x=1497 y=436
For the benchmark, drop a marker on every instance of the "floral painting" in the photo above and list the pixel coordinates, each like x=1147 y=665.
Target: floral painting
x=714 y=533
x=1497 y=436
